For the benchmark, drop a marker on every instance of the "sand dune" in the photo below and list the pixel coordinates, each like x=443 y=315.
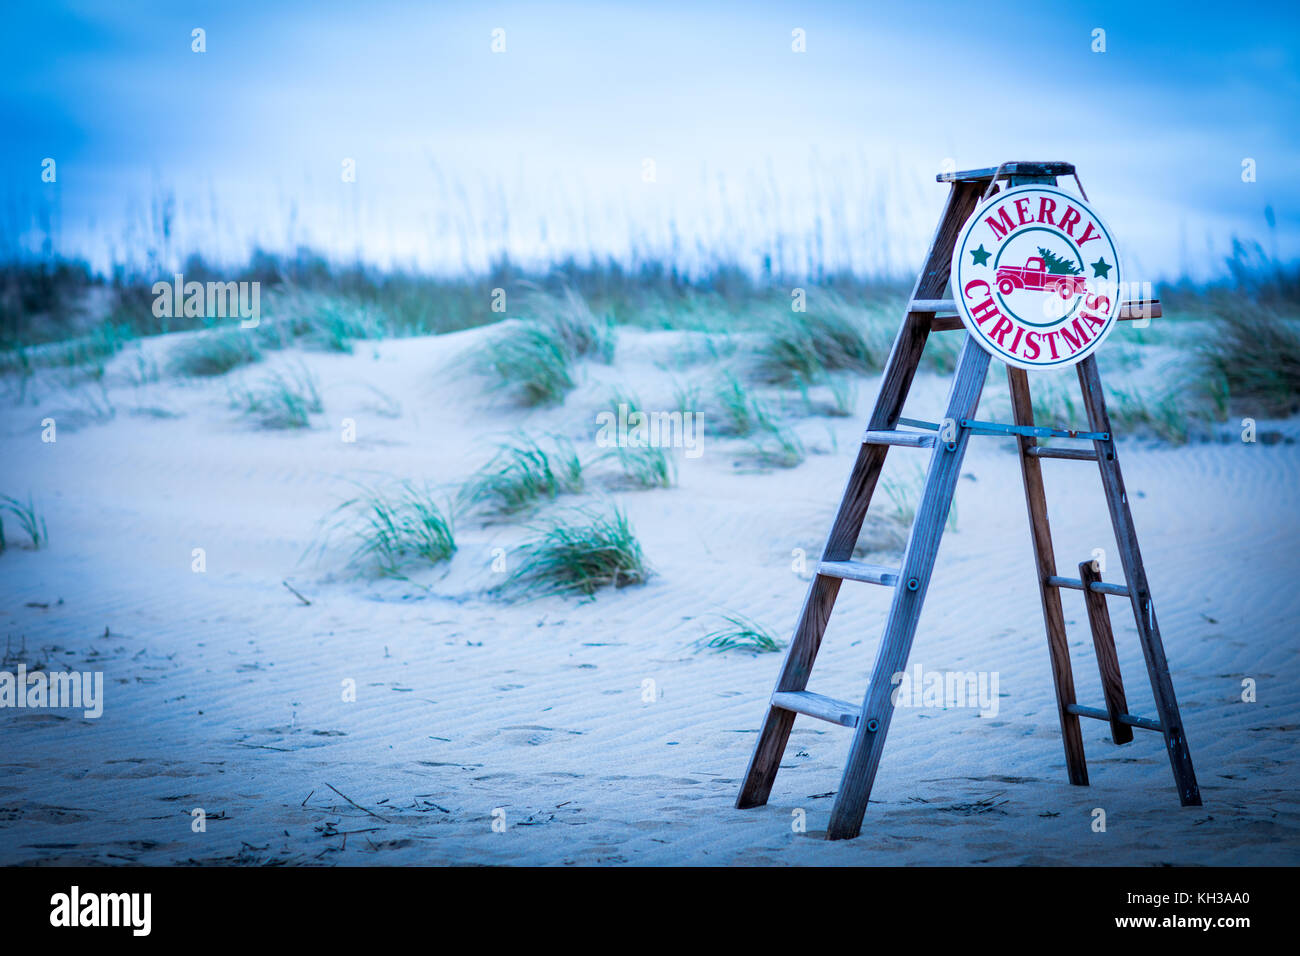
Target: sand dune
x=224 y=690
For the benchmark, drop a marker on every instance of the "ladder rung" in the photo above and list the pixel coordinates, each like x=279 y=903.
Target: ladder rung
x=932 y=305
x=1101 y=587
x=1146 y=723
x=858 y=571
x=1072 y=454
x=819 y=706
x=904 y=439
x=919 y=423
x=978 y=427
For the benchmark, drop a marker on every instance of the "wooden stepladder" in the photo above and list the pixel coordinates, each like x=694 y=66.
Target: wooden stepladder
x=928 y=312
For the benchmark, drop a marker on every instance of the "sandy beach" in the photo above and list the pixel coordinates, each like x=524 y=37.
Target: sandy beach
x=598 y=732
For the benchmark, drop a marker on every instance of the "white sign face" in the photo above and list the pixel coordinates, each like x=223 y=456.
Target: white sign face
x=1036 y=277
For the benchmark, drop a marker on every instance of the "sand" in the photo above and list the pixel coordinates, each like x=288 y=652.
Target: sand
x=224 y=691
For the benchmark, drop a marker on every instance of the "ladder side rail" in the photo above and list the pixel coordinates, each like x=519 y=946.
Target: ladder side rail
x=1040 y=533
x=900 y=369
x=909 y=596
x=1121 y=517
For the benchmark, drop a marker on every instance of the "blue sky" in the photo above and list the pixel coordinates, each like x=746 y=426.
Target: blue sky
x=541 y=149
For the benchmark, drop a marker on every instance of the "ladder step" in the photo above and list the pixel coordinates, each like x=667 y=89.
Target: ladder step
x=932 y=305
x=858 y=571
x=1071 y=454
x=1146 y=723
x=904 y=439
x=1101 y=587
x=819 y=706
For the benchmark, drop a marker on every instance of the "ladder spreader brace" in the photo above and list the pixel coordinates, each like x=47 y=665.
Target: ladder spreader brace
x=927 y=312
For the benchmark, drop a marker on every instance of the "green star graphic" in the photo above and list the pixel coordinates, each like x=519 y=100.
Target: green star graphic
x=1100 y=269
x=980 y=256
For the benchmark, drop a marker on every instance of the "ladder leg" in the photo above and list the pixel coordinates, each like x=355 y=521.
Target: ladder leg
x=798 y=664
x=1103 y=644
x=894 y=386
x=1153 y=650
x=816 y=612
x=909 y=594
x=1031 y=470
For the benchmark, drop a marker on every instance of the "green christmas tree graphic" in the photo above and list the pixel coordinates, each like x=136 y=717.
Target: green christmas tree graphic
x=1056 y=265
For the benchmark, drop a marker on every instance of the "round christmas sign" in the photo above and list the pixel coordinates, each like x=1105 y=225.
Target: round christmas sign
x=1036 y=277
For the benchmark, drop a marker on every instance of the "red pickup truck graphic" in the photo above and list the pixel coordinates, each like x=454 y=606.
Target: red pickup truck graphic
x=1033 y=275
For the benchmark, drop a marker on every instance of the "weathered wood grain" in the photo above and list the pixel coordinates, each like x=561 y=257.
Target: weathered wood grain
x=900 y=369
x=1153 y=650
x=909 y=596
x=1040 y=532
x=1103 y=644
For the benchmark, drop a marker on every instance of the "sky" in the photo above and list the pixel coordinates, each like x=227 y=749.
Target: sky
x=694 y=131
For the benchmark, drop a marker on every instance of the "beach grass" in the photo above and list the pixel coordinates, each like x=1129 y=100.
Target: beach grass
x=578 y=554
x=28 y=519
x=521 y=474
x=739 y=633
x=530 y=363
x=804 y=347
x=397 y=526
x=213 y=352
x=285 y=399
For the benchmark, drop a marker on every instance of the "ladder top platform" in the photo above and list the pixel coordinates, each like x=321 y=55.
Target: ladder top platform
x=1008 y=170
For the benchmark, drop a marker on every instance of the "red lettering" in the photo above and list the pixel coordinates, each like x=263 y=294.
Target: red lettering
x=1070 y=220
x=1097 y=302
x=985 y=311
x=1051 y=341
x=1046 y=207
x=1089 y=234
x=1000 y=330
x=1031 y=342
x=1006 y=225
x=1016 y=341
x=1076 y=343
x=1022 y=210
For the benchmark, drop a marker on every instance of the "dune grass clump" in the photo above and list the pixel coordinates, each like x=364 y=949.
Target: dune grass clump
x=579 y=555
x=642 y=465
x=1167 y=414
x=29 y=520
x=521 y=474
x=1252 y=355
x=772 y=443
x=337 y=323
x=214 y=352
x=535 y=360
x=739 y=633
x=739 y=413
x=776 y=446
x=646 y=466
x=569 y=318
x=396 y=527
x=282 y=400
x=531 y=363
x=803 y=347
